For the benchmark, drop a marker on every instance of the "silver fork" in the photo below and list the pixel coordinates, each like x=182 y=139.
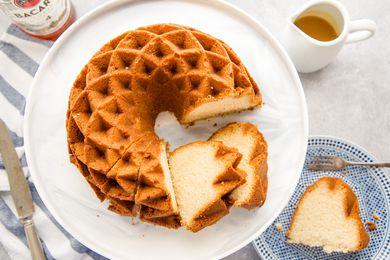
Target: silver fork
x=335 y=163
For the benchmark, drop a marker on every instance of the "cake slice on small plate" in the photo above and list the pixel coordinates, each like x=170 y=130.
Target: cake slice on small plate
x=327 y=216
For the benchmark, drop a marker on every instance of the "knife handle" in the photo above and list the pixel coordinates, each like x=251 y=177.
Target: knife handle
x=33 y=240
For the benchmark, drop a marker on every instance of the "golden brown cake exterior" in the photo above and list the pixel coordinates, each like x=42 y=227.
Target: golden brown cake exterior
x=251 y=143
x=154 y=187
x=117 y=96
x=350 y=209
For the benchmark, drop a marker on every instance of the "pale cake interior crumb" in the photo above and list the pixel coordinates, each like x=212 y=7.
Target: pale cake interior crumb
x=167 y=176
x=244 y=144
x=321 y=221
x=220 y=107
x=193 y=179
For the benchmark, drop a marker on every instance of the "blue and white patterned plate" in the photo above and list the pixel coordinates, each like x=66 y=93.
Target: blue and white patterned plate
x=372 y=187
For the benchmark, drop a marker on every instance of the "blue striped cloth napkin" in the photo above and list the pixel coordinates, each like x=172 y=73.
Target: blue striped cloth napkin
x=20 y=56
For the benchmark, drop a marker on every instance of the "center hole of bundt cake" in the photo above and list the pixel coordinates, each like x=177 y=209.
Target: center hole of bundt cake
x=167 y=127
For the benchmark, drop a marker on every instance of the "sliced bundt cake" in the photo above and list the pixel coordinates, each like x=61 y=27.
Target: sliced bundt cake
x=118 y=95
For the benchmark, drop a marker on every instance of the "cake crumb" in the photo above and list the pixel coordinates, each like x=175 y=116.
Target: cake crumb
x=97 y=215
x=279 y=226
x=375 y=216
x=371 y=225
x=344 y=172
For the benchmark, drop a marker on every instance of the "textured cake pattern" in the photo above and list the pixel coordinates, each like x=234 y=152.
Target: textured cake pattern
x=119 y=93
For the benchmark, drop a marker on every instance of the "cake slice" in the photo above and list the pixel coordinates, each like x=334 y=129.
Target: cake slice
x=327 y=215
x=203 y=175
x=143 y=172
x=251 y=144
x=155 y=193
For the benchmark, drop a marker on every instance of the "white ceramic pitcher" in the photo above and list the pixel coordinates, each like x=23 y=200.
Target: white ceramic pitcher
x=309 y=54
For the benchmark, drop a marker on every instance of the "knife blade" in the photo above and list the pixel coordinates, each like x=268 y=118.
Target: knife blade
x=20 y=192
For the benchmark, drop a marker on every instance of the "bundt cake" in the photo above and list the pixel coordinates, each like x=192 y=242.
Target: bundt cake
x=117 y=96
x=327 y=215
x=203 y=175
x=250 y=143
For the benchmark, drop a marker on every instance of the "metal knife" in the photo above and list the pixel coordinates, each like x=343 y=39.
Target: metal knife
x=20 y=192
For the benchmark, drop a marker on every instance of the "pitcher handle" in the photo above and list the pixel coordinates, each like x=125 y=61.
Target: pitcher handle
x=360 y=30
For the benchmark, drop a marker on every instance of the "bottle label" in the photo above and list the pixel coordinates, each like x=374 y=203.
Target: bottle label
x=35 y=15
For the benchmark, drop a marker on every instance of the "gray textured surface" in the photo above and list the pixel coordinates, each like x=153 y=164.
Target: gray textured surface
x=351 y=97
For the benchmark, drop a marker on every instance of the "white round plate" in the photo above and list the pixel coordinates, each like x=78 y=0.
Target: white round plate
x=283 y=120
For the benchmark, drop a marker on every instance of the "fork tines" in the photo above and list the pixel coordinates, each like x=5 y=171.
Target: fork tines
x=322 y=162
